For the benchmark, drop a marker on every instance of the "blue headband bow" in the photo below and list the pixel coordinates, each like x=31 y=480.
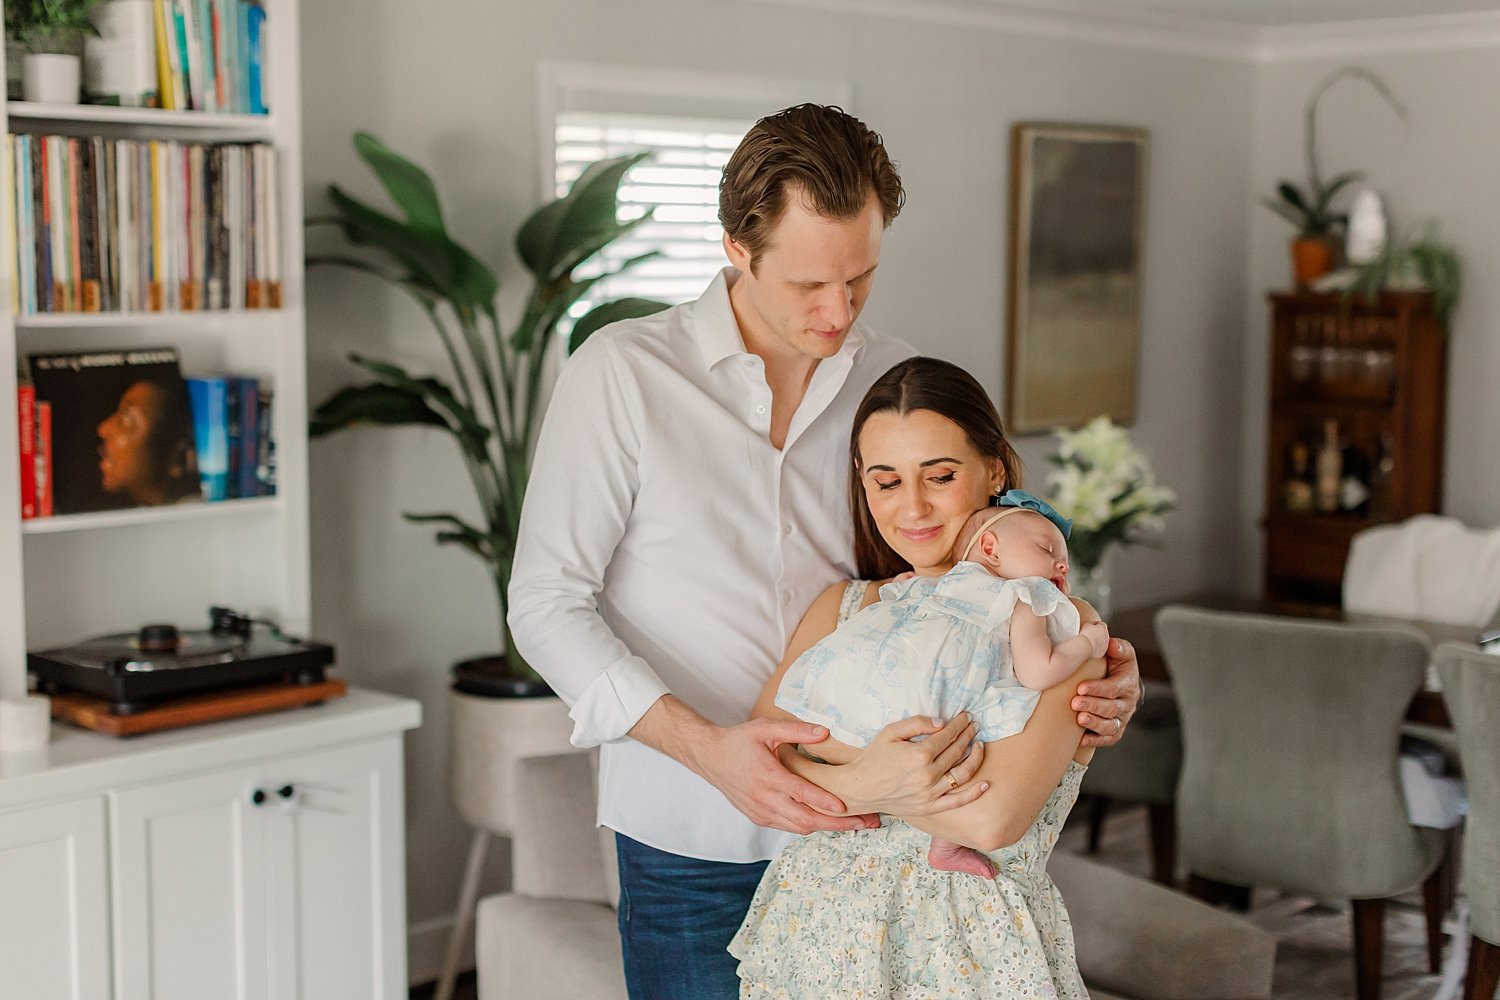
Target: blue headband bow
x=1024 y=500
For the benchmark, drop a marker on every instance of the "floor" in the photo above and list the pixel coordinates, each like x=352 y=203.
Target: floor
x=1314 y=952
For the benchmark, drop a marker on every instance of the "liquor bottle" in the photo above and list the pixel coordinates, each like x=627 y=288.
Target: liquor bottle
x=1380 y=479
x=1330 y=468
x=1354 y=483
x=1297 y=491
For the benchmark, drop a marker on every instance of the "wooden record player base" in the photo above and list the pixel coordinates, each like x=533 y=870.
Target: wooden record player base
x=93 y=713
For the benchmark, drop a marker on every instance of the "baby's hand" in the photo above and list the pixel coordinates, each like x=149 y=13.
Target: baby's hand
x=1097 y=634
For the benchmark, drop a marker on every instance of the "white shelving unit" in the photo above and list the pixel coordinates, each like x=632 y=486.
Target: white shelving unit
x=68 y=578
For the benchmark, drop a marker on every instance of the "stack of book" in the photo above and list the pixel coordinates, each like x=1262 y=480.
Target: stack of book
x=113 y=429
x=141 y=225
x=180 y=55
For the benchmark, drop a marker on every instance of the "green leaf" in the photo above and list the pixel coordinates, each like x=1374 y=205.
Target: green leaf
x=406 y=183
x=555 y=233
x=376 y=404
x=1292 y=196
x=432 y=258
x=1325 y=197
x=611 y=312
x=473 y=435
x=460 y=533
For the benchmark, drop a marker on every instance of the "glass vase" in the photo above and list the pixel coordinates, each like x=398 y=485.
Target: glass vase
x=1092 y=584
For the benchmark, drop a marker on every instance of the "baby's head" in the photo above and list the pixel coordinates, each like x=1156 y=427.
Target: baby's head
x=1014 y=542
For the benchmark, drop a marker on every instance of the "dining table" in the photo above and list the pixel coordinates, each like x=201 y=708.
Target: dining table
x=1138 y=626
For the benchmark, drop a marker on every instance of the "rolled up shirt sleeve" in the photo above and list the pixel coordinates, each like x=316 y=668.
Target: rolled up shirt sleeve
x=578 y=500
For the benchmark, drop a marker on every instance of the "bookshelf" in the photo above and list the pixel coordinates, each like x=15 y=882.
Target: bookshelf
x=69 y=577
x=1375 y=372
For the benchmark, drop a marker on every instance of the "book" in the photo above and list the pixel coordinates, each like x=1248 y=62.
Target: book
x=43 y=469
x=247 y=462
x=255 y=57
x=166 y=93
x=265 y=469
x=211 y=434
x=121 y=431
x=26 y=421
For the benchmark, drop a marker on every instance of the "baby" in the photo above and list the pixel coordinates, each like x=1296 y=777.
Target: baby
x=940 y=645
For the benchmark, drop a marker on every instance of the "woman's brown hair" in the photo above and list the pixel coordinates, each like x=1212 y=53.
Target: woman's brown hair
x=828 y=155
x=948 y=391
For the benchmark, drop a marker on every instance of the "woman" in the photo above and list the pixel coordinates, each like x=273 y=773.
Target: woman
x=860 y=912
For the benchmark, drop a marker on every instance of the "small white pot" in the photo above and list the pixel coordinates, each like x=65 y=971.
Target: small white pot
x=50 y=78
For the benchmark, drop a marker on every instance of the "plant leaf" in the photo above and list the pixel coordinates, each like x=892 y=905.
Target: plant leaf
x=1325 y=197
x=611 y=312
x=406 y=183
x=1292 y=196
x=375 y=403
x=554 y=233
x=460 y=533
x=472 y=435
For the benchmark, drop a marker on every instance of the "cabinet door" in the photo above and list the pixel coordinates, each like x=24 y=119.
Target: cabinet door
x=338 y=893
x=188 y=861
x=54 y=920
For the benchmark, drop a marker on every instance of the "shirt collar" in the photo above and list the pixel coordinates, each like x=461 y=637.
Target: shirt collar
x=719 y=335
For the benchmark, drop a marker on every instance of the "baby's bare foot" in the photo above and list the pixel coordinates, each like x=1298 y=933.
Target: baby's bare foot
x=946 y=856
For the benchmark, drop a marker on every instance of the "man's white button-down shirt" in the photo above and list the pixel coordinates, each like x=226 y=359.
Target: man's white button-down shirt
x=667 y=546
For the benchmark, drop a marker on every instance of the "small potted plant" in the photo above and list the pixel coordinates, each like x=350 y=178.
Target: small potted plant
x=1310 y=209
x=51 y=32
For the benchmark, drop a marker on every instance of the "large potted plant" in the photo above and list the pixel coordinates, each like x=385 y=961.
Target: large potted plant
x=51 y=32
x=489 y=402
x=1310 y=209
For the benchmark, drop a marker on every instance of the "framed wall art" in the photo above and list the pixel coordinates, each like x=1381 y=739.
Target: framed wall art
x=1077 y=211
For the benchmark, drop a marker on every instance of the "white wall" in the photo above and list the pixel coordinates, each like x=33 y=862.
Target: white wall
x=453 y=85
x=1440 y=166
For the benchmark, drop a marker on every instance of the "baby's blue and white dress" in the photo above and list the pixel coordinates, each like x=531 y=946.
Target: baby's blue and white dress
x=861 y=913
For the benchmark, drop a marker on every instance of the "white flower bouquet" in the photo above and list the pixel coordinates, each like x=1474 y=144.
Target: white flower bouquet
x=1107 y=487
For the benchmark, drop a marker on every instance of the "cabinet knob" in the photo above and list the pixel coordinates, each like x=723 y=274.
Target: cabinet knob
x=258 y=797
x=286 y=791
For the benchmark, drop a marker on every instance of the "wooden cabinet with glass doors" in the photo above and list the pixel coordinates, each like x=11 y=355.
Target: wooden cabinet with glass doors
x=1358 y=391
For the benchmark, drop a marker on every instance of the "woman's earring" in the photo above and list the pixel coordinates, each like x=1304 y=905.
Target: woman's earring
x=996 y=496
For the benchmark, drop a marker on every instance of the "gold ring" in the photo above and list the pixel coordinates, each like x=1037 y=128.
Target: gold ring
x=952 y=781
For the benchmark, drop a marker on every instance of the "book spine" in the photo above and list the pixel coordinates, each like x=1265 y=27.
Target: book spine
x=205 y=26
x=156 y=289
x=10 y=244
x=233 y=432
x=26 y=396
x=166 y=95
x=211 y=435
x=265 y=468
x=247 y=468
x=26 y=223
x=199 y=226
x=255 y=58
x=242 y=46
x=43 y=468
x=182 y=69
x=41 y=215
x=57 y=211
x=109 y=224
x=75 y=237
x=87 y=250
x=273 y=230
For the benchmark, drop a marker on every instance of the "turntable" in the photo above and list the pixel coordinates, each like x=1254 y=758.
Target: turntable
x=139 y=673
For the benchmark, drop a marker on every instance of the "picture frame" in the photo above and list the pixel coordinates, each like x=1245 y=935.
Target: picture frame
x=1073 y=311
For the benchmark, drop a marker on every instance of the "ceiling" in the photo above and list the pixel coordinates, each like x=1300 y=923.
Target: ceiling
x=1255 y=14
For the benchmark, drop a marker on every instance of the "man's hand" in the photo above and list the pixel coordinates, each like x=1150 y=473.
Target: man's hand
x=741 y=762
x=1105 y=706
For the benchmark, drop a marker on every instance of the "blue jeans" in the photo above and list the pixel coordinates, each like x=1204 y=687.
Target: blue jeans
x=677 y=916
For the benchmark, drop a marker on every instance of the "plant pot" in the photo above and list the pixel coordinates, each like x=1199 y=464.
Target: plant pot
x=1312 y=257
x=487 y=734
x=51 y=77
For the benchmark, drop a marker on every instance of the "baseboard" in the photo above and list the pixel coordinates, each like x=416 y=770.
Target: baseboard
x=427 y=947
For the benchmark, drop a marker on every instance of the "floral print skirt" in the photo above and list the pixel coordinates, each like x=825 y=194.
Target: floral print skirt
x=862 y=915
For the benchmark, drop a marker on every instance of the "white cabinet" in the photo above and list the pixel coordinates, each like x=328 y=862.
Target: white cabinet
x=283 y=880
x=54 y=929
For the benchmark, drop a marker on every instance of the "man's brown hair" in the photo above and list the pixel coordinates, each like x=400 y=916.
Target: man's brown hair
x=830 y=157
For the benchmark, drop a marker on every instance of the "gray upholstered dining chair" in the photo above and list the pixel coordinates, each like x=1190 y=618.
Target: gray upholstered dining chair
x=1471 y=688
x=1290 y=777
x=1142 y=768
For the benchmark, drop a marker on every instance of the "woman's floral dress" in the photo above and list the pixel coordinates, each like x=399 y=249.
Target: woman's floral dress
x=861 y=914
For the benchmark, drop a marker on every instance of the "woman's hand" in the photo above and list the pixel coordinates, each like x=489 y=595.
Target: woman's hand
x=895 y=775
x=1105 y=706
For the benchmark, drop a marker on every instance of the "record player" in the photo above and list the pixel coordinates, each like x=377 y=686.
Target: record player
x=135 y=671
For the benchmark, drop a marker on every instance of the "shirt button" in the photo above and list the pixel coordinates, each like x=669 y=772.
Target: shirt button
x=787 y=528
x=749 y=362
x=786 y=597
x=760 y=409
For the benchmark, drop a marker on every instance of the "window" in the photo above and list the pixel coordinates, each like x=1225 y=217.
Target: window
x=680 y=181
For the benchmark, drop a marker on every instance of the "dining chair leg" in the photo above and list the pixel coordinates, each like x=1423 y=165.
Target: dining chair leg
x=1369 y=947
x=1164 y=842
x=1098 y=809
x=1484 y=970
x=1435 y=905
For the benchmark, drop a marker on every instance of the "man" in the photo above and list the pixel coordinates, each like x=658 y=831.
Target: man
x=711 y=436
